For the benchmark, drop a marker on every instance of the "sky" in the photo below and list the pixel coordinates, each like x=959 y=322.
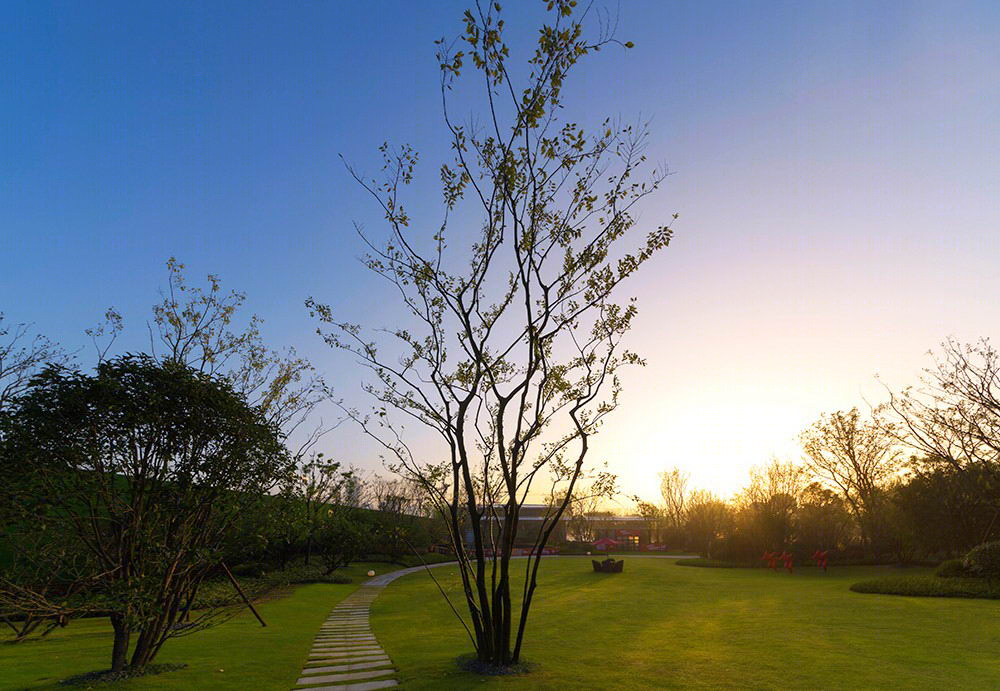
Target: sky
x=834 y=166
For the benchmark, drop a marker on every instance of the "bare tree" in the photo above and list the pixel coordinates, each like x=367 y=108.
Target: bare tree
x=856 y=458
x=708 y=519
x=953 y=415
x=512 y=360
x=400 y=504
x=22 y=355
x=674 y=489
x=769 y=501
x=198 y=328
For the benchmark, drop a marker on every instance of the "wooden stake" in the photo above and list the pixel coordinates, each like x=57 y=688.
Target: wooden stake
x=232 y=579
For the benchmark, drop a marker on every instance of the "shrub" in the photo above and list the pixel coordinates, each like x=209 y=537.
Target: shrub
x=984 y=560
x=249 y=570
x=953 y=568
x=929 y=586
x=709 y=563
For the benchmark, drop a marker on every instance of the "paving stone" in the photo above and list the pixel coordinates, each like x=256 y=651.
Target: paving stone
x=345 y=632
x=363 y=649
x=340 y=641
x=342 y=652
x=360 y=686
x=351 y=652
x=345 y=639
x=351 y=667
x=335 y=641
x=348 y=622
x=338 y=630
x=349 y=660
x=345 y=644
x=349 y=676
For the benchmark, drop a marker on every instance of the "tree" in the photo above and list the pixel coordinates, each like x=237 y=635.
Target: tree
x=944 y=511
x=824 y=523
x=399 y=503
x=22 y=355
x=708 y=519
x=198 y=328
x=855 y=458
x=512 y=357
x=769 y=503
x=145 y=466
x=343 y=539
x=323 y=489
x=674 y=489
x=953 y=416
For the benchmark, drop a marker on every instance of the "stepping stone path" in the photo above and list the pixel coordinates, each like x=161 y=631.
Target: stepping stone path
x=345 y=655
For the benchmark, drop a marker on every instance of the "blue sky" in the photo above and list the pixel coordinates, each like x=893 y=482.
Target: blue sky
x=835 y=168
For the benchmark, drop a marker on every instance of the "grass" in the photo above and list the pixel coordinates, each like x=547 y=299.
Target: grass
x=655 y=626
x=237 y=655
x=713 y=563
x=658 y=626
x=930 y=586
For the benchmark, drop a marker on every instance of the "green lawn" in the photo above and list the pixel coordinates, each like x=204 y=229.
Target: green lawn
x=239 y=655
x=655 y=626
x=660 y=626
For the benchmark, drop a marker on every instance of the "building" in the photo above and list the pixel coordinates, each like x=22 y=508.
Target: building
x=532 y=519
x=631 y=533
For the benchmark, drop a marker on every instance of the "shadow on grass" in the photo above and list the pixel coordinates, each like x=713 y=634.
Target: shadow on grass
x=470 y=663
x=106 y=676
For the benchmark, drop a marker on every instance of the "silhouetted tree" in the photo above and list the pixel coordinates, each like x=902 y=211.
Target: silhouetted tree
x=953 y=416
x=708 y=519
x=22 y=355
x=857 y=459
x=675 y=493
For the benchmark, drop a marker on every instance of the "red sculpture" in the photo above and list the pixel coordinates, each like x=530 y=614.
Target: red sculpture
x=821 y=558
x=771 y=558
x=787 y=558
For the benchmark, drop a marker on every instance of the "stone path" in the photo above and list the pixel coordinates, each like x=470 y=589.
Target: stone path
x=345 y=655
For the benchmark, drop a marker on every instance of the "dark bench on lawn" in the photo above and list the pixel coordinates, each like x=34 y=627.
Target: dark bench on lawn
x=608 y=565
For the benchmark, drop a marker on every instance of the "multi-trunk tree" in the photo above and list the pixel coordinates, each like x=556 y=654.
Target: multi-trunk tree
x=513 y=348
x=140 y=470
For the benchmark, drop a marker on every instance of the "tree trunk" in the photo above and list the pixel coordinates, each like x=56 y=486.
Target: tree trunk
x=119 y=652
x=143 y=645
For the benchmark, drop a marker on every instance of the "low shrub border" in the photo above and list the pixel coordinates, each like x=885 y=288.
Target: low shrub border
x=930 y=586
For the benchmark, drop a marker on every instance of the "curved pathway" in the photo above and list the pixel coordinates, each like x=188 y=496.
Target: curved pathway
x=346 y=656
